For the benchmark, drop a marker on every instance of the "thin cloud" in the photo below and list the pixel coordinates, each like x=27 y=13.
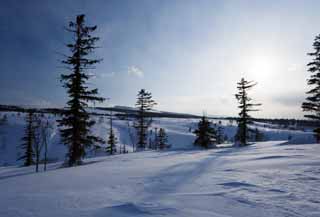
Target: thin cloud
x=102 y=75
x=135 y=71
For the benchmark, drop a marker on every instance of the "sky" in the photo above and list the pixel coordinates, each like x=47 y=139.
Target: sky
x=188 y=53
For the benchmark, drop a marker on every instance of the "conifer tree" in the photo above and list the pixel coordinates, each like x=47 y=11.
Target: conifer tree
x=312 y=102
x=162 y=139
x=37 y=144
x=28 y=140
x=245 y=106
x=206 y=136
x=75 y=124
x=219 y=130
x=3 y=122
x=144 y=104
x=258 y=135
x=112 y=140
x=156 y=139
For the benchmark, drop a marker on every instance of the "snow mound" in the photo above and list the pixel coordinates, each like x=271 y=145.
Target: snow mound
x=226 y=182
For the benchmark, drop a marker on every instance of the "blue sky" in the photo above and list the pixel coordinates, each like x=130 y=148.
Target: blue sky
x=189 y=54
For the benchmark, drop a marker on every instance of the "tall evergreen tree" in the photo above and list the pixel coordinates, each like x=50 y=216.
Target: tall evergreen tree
x=28 y=140
x=75 y=124
x=312 y=102
x=206 y=135
x=144 y=104
x=245 y=106
x=112 y=140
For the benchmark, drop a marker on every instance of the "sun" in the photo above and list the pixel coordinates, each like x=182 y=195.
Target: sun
x=261 y=68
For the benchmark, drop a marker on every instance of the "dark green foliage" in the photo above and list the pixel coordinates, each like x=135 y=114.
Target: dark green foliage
x=206 y=136
x=220 y=135
x=144 y=104
x=312 y=102
x=28 y=140
x=75 y=124
x=37 y=145
x=3 y=122
x=258 y=135
x=163 y=139
x=112 y=140
x=245 y=106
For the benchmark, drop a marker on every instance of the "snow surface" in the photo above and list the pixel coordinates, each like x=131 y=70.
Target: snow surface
x=265 y=179
x=177 y=129
x=275 y=178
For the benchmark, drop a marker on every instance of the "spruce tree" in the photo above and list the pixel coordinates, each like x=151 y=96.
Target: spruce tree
x=245 y=106
x=219 y=130
x=28 y=140
x=162 y=139
x=112 y=140
x=156 y=139
x=75 y=124
x=206 y=135
x=312 y=102
x=37 y=144
x=144 y=104
x=258 y=135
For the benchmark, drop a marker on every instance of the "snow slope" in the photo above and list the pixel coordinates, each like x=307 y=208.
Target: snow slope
x=266 y=179
x=177 y=129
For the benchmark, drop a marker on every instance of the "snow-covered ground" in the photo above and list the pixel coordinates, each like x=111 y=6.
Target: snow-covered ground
x=178 y=130
x=274 y=178
x=265 y=179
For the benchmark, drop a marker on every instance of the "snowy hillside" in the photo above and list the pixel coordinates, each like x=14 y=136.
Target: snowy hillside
x=266 y=179
x=179 y=132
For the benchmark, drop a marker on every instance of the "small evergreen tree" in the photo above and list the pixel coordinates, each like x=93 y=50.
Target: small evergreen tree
x=206 y=136
x=245 y=106
x=156 y=139
x=220 y=135
x=112 y=140
x=3 y=122
x=75 y=124
x=258 y=135
x=37 y=145
x=144 y=104
x=312 y=102
x=28 y=140
x=163 y=139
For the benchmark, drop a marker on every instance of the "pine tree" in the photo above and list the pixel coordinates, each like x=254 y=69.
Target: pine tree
x=112 y=140
x=37 y=144
x=156 y=139
x=258 y=135
x=75 y=124
x=144 y=104
x=163 y=139
x=206 y=136
x=312 y=102
x=28 y=140
x=3 y=122
x=219 y=130
x=246 y=106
